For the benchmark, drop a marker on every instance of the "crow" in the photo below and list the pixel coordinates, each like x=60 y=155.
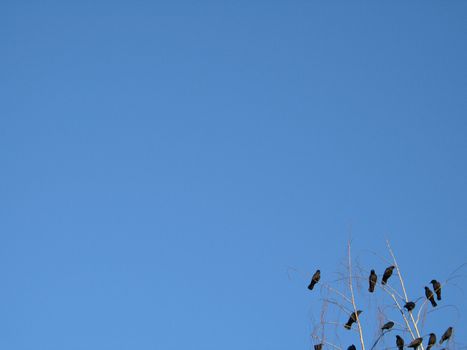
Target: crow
x=410 y=305
x=318 y=346
x=399 y=343
x=352 y=319
x=372 y=279
x=429 y=296
x=415 y=343
x=352 y=347
x=436 y=288
x=446 y=335
x=387 y=326
x=431 y=341
x=314 y=279
x=387 y=274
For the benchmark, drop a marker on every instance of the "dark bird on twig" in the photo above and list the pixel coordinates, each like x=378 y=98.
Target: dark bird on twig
x=436 y=288
x=415 y=343
x=431 y=341
x=429 y=295
x=352 y=347
x=387 y=326
x=314 y=279
x=352 y=319
x=399 y=343
x=372 y=279
x=446 y=335
x=410 y=305
x=387 y=274
x=318 y=346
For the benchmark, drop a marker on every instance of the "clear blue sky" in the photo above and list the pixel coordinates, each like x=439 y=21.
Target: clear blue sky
x=163 y=162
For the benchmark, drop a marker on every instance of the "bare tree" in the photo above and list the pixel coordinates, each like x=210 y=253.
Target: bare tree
x=360 y=299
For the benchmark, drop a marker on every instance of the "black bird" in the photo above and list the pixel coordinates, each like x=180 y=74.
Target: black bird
x=352 y=347
x=436 y=288
x=387 y=274
x=372 y=279
x=387 y=326
x=314 y=279
x=352 y=319
x=446 y=335
x=318 y=346
x=399 y=343
x=410 y=305
x=429 y=296
x=431 y=341
x=415 y=343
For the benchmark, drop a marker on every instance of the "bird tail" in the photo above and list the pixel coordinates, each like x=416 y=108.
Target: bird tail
x=347 y=326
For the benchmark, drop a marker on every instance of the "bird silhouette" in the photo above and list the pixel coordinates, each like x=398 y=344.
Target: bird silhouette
x=314 y=279
x=399 y=343
x=352 y=347
x=410 y=305
x=446 y=335
x=415 y=343
x=436 y=288
x=387 y=274
x=429 y=296
x=372 y=279
x=431 y=341
x=318 y=346
x=387 y=326
x=352 y=319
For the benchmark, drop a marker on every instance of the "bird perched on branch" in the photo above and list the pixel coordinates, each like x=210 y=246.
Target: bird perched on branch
x=415 y=343
x=372 y=279
x=431 y=341
x=314 y=279
x=387 y=326
x=446 y=335
x=399 y=343
x=352 y=319
x=410 y=305
x=352 y=347
x=436 y=288
x=387 y=274
x=429 y=296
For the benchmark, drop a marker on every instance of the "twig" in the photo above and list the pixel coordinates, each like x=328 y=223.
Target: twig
x=326 y=342
x=328 y=287
x=403 y=289
x=399 y=307
x=379 y=338
x=357 y=319
x=331 y=301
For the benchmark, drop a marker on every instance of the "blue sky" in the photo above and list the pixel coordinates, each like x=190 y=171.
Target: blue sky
x=162 y=163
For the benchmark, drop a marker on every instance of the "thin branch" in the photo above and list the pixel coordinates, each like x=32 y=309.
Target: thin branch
x=326 y=342
x=404 y=290
x=379 y=338
x=353 y=297
x=328 y=287
x=331 y=301
x=399 y=307
x=420 y=311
